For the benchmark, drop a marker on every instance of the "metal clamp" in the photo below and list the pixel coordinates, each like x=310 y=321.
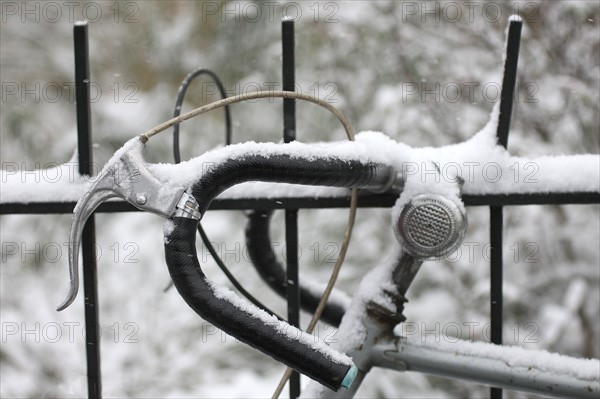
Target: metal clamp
x=187 y=207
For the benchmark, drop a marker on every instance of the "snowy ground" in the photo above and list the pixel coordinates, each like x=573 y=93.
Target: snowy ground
x=368 y=60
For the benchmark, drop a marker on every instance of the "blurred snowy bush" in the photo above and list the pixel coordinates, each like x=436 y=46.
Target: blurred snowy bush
x=426 y=74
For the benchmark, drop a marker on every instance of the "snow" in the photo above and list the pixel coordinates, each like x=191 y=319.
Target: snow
x=62 y=183
x=187 y=173
x=515 y=18
x=59 y=184
x=168 y=228
x=369 y=58
x=485 y=168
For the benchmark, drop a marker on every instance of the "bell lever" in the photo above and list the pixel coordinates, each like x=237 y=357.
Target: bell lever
x=128 y=178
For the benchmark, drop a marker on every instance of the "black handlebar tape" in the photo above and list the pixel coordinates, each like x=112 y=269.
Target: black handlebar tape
x=285 y=168
x=242 y=320
x=272 y=271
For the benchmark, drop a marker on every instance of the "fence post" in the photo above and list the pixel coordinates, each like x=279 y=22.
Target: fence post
x=88 y=237
x=291 y=215
x=496 y=213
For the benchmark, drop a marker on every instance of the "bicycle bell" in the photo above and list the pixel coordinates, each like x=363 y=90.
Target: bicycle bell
x=431 y=226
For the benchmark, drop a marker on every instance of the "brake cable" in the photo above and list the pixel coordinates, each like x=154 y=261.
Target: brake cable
x=353 y=201
x=144 y=137
x=179 y=102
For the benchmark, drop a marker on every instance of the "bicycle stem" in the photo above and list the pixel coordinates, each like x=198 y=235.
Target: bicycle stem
x=378 y=321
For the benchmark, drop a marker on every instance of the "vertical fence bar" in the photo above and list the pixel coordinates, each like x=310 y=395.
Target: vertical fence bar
x=291 y=215
x=496 y=277
x=88 y=238
x=496 y=213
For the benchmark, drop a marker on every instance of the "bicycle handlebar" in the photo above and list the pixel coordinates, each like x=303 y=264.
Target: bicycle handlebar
x=225 y=312
x=261 y=331
x=128 y=176
x=291 y=168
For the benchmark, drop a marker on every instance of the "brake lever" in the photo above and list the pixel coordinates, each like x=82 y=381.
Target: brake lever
x=125 y=176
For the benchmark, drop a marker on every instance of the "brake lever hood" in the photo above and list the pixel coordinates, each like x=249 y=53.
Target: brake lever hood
x=125 y=176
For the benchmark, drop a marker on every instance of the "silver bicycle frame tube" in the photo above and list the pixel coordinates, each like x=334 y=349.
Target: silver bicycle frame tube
x=406 y=356
x=402 y=355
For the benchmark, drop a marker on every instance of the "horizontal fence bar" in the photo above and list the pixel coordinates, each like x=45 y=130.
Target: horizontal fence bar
x=365 y=201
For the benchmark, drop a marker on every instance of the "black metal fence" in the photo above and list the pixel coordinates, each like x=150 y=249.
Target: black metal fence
x=290 y=204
